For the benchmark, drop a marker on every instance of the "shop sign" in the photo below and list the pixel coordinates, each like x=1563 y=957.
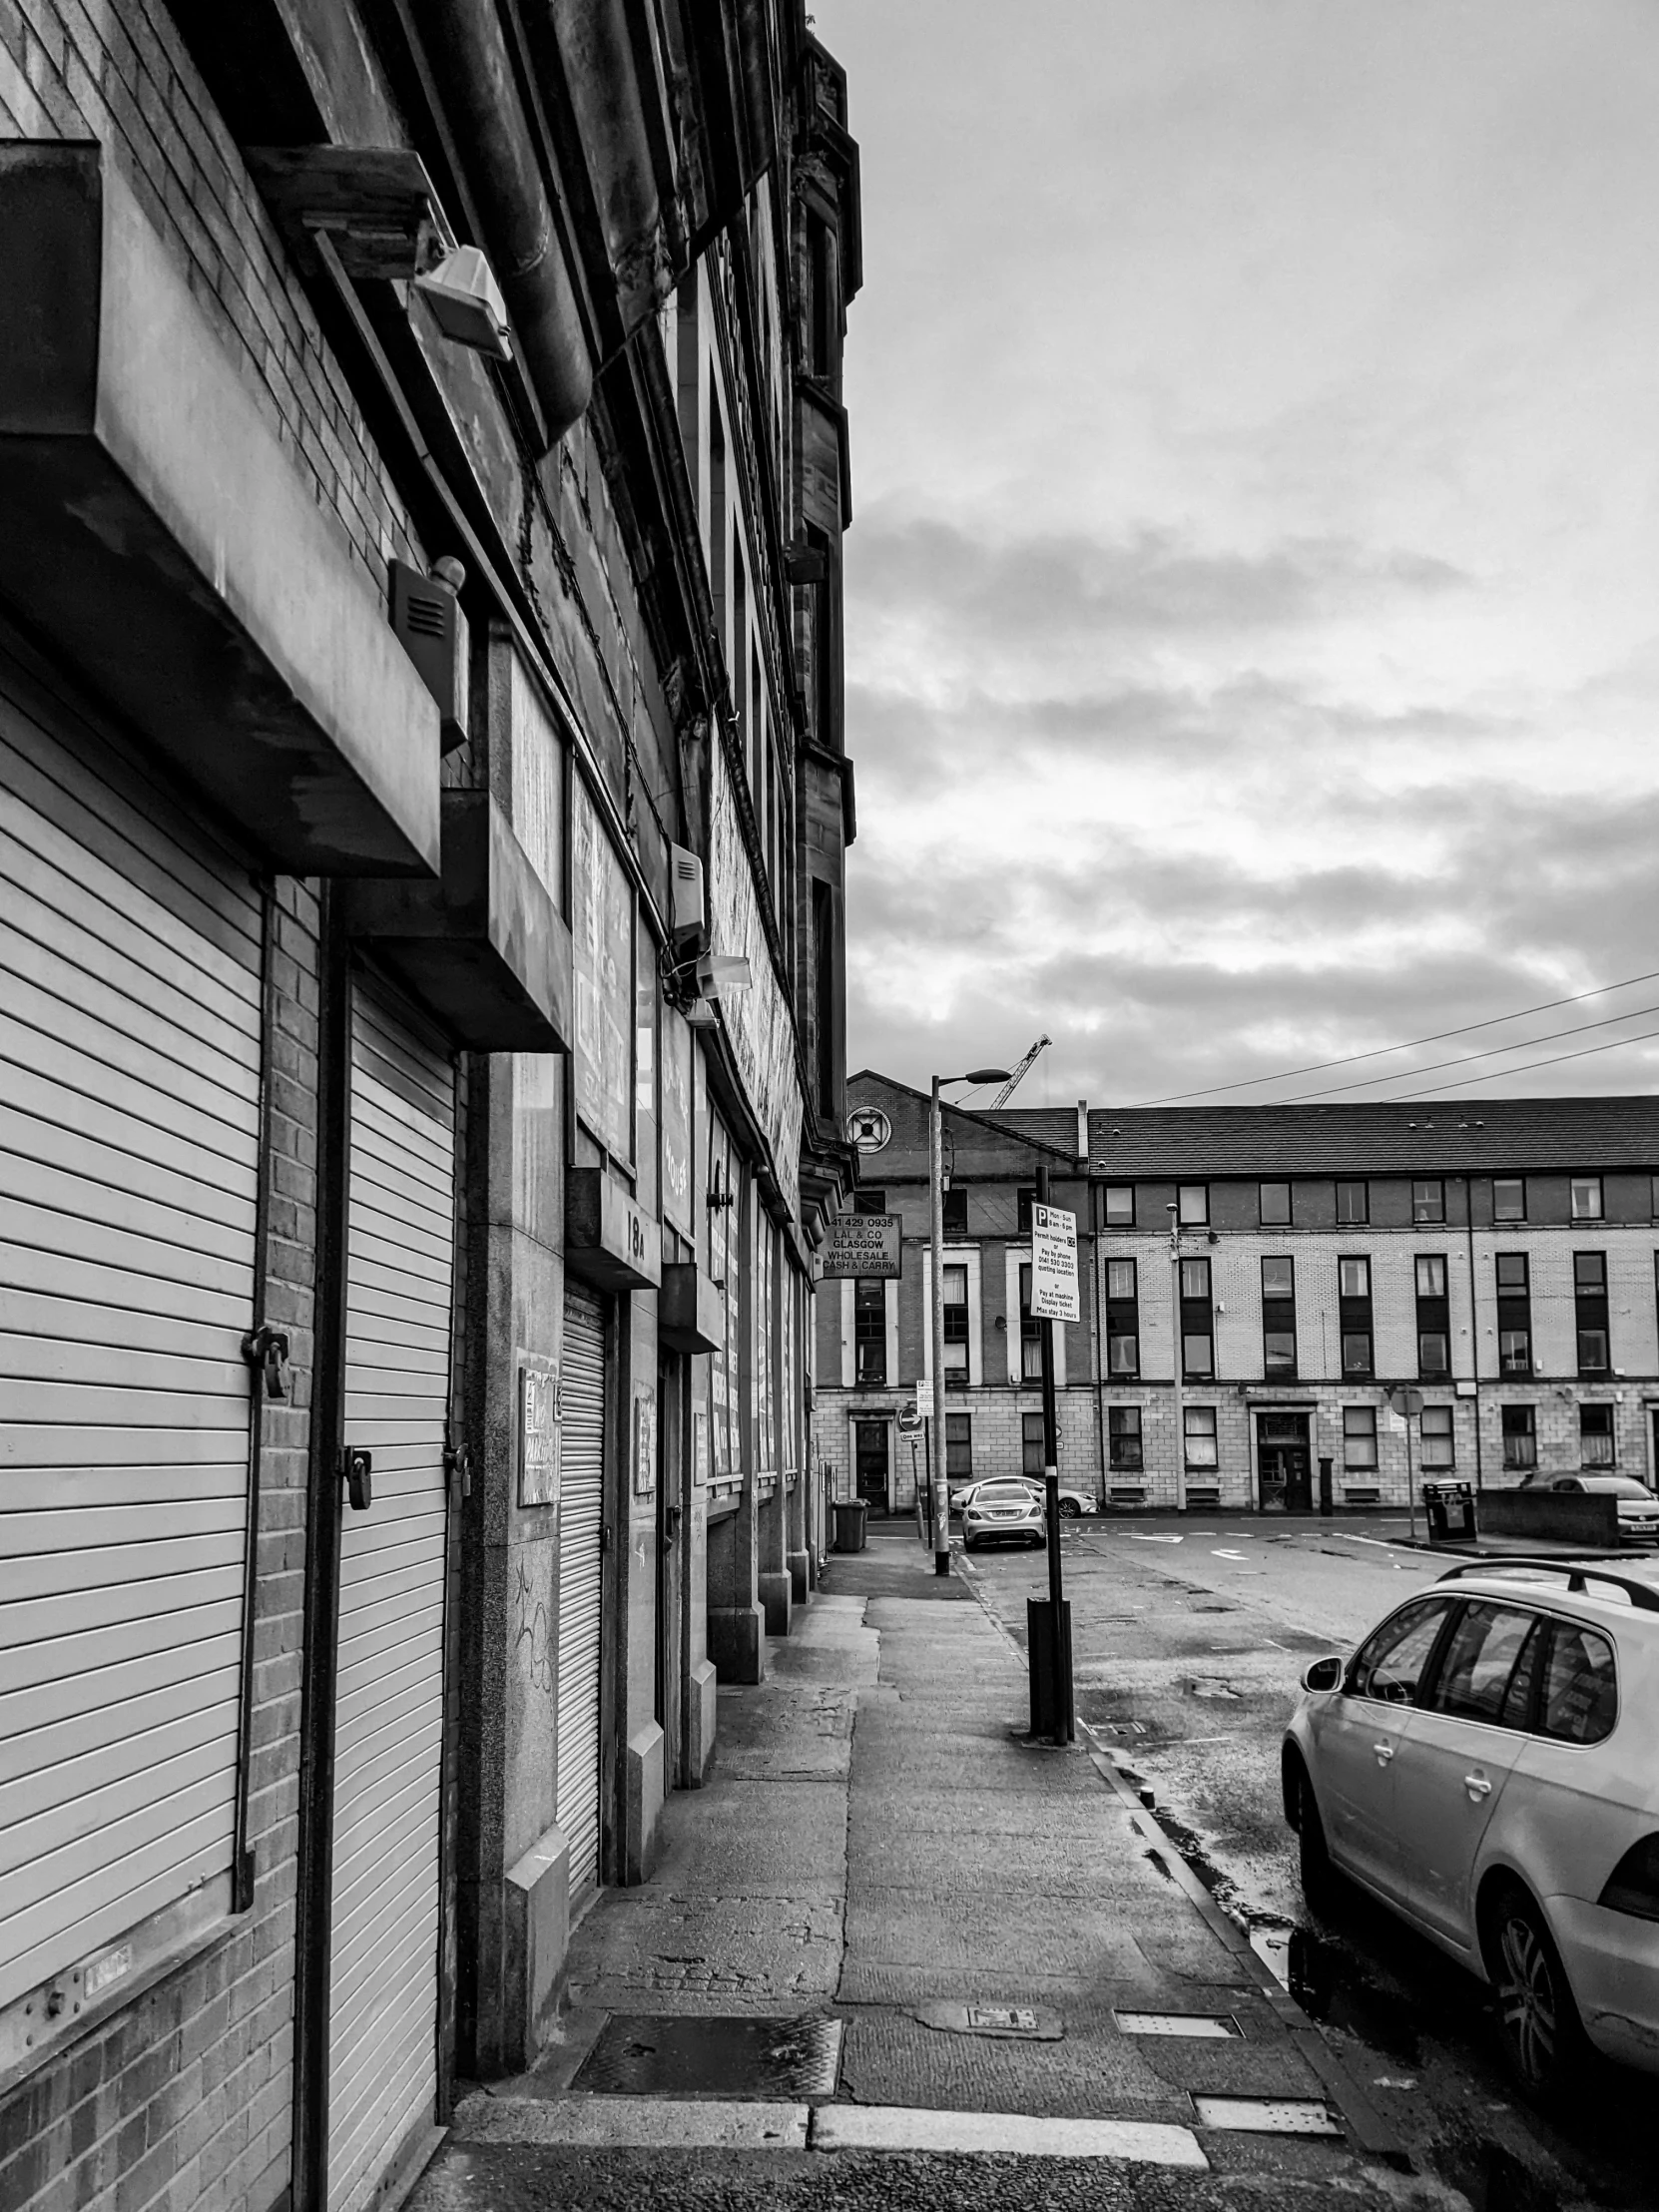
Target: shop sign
x=645 y=1443
x=862 y=1245
x=758 y=1021
x=677 y=1121
x=538 y=1430
x=1054 y=1263
x=602 y=933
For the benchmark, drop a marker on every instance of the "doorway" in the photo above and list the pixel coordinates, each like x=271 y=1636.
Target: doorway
x=870 y=1463
x=671 y=1522
x=1284 y=1462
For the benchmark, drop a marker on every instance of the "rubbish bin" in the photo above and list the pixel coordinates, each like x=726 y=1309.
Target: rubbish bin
x=850 y=1515
x=1451 y=1510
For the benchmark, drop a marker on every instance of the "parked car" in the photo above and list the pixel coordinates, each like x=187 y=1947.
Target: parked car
x=1006 y=1512
x=1638 y=1509
x=1074 y=1502
x=1486 y=1764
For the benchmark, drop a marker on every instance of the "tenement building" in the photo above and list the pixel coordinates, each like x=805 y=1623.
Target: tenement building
x=1276 y=1297
x=422 y=807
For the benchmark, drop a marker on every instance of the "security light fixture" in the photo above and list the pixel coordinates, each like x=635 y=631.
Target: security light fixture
x=467 y=302
x=720 y=972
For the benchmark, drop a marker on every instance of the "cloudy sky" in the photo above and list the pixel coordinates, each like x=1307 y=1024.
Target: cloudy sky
x=1253 y=583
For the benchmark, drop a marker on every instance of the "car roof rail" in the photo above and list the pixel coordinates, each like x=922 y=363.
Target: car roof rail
x=1644 y=1596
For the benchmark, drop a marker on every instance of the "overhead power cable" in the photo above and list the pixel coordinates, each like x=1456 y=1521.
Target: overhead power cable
x=1493 y=1075
x=1467 y=1060
x=1381 y=1051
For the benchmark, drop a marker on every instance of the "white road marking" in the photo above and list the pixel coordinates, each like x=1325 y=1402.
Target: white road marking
x=901 y=2128
x=1136 y=1537
x=636 y=2123
x=1216 y=1553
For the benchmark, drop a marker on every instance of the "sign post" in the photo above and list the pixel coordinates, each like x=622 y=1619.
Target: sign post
x=1408 y=1405
x=1053 y=1297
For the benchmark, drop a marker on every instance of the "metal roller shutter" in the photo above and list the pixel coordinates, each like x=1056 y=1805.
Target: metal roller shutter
x=581 y=1522
x=388 y=1724
x=130 y=1043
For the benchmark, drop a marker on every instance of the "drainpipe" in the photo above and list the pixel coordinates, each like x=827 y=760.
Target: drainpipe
x=1097 y=1263
x=1475 y=1328
x=1175 y=1362
x=525 y=247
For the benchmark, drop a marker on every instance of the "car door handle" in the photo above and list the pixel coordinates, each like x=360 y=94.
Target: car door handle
x=1478 y=1786
x=1385 y=1752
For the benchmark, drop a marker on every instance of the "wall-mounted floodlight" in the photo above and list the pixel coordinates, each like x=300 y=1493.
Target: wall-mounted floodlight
x=719 y=973
x=466 y=301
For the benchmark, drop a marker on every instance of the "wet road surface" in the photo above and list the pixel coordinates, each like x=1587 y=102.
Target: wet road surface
x=1188 y=1644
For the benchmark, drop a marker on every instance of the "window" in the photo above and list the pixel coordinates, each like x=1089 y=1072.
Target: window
x=1030 y=1443
x=1120 y=1205
x=1508 y=1198
x=1487 y=1650
x=1198 y=1351
x=1030 y=1333
x=954 y=1206
x=1520 y=1438
x=1123 y=1324
x=824 y=995
x=1440 y=1446
x=1595 y=1437
x=1391 y=1663
x=1273 y=1202
x=1589 y=1292
x=1353 y=1205
x=1354 y=1316
x=869 y=1332
x=1193 y=1201
x=1123 y=1438
x=1653 y=1196
x=1580 y=1689
x=1199 y=1423
x=1359 y=1438
x=1433 y=1318
x=1279 y=1316
x=1586 y=1197
x=1514 y=1313
x=956 y=1327
x=1025 y=1199
x=870 y=1202
x=959 y=1446
x=1427 y=1201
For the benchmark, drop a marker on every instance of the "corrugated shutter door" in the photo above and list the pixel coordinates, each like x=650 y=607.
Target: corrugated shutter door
x=128 y=1158
x=389 y=1740
x=581 y=1517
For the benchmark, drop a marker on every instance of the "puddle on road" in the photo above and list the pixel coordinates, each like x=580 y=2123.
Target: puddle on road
x=1331 y=1986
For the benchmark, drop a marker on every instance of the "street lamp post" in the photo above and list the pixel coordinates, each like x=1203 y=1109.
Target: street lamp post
x=941 y=1479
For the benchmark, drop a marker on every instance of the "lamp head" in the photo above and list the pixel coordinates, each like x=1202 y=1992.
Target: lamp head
x=984 y=1075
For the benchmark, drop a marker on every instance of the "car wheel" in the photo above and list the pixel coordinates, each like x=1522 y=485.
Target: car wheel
x=1319 y=1875
x=1070 y=1508
x=1537 y=2021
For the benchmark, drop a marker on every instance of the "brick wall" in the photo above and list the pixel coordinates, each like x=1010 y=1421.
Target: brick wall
x=184 y=2097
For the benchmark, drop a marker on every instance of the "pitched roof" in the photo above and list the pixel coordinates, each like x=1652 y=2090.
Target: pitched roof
x=1483 y=1137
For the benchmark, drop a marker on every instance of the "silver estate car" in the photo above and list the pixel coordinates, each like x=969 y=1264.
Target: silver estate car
x=1488 y=1765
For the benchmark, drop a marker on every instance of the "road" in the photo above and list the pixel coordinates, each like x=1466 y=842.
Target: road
x=1188 y=1643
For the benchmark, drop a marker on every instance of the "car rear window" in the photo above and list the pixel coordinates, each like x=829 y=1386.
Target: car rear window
x=1002 y=1493
x=1580 y=1688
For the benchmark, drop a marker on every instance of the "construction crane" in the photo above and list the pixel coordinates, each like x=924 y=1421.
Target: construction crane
x=1014 y=1081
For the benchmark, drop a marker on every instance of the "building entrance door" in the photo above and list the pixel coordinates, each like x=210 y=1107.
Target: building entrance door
x=1285 y=1461
x=870 y=1462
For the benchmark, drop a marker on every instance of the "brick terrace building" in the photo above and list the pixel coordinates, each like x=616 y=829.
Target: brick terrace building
x=1257 y=1279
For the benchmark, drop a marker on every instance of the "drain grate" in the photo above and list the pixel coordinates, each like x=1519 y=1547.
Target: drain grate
x=1267 y=2115
x=1219 y=2025
x=650 y=2054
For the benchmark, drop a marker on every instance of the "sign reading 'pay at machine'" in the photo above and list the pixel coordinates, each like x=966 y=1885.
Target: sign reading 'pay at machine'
x=1054 y=1263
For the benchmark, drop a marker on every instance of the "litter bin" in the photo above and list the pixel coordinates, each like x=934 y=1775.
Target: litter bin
x=1451 y=1510
x=850 y=1515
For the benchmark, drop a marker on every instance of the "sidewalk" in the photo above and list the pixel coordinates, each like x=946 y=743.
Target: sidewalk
x=888 y=1915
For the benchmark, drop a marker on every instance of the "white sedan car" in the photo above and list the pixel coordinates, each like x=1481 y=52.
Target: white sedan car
x=1488 y=1765
x=1073 y=1502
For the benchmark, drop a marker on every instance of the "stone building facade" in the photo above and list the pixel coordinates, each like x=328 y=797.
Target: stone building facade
x=1261 y=1282
x=423 y=482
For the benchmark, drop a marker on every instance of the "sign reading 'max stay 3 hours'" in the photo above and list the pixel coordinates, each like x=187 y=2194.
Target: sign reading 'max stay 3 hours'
x=862 y=1244
x=1054 y=1263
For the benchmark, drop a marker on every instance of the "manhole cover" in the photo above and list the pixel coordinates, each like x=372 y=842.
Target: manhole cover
x=648 y=2054
x=1267 y=2115
x=1217 y=2025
